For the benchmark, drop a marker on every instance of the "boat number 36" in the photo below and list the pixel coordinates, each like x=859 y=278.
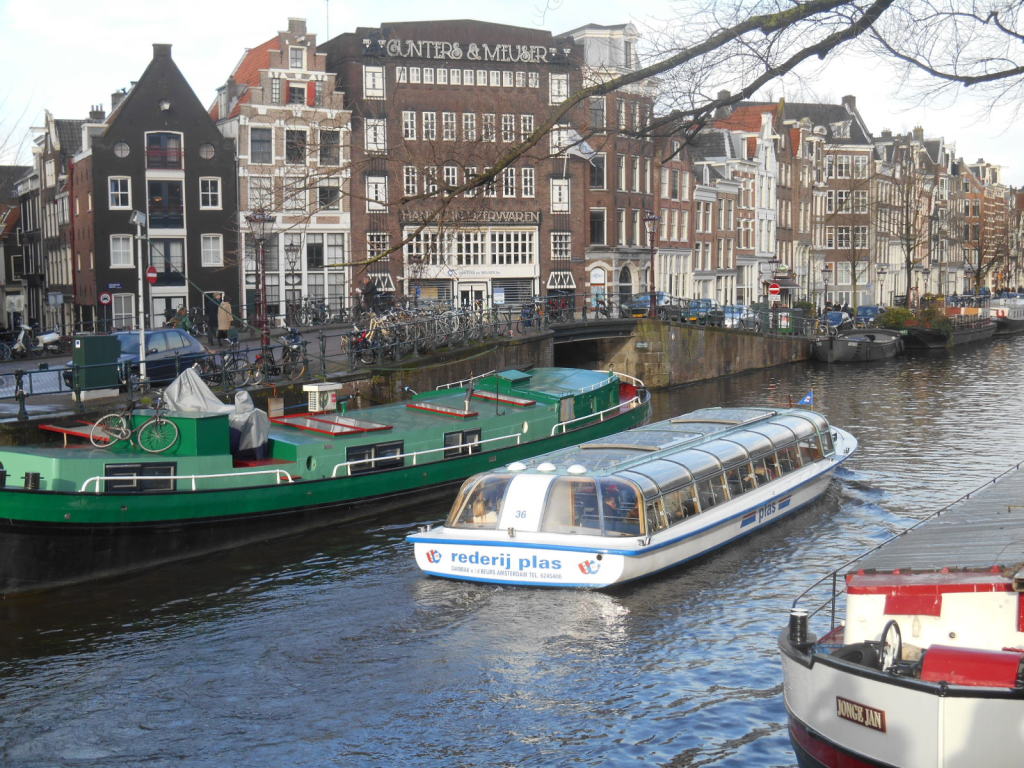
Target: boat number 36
x=520 y=514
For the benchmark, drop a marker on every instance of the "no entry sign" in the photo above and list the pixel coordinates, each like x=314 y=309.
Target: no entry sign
x=773 y=289
x=151 y=275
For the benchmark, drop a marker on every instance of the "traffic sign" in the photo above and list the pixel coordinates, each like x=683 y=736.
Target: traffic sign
x=151 y=275
x=773 y=289
x=106 y=297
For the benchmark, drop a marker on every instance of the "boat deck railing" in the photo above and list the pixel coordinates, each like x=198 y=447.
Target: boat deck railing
x=563 y=426
x=463 y=382
x=96 y=480
x=417 y=455
x=836 y=575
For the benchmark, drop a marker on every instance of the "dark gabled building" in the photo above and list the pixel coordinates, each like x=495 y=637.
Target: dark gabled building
x=11 y=236
x=158 y=153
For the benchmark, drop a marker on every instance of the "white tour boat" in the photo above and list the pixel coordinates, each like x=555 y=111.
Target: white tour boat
x=928 y=667
x=628 y=505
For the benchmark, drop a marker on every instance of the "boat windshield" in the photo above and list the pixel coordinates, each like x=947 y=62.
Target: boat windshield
x=479 y=502
x=610 y=507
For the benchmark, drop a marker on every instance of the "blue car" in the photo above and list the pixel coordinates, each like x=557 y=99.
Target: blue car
x=867 y=315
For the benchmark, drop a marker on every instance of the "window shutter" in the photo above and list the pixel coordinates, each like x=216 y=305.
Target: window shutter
x=311 y=94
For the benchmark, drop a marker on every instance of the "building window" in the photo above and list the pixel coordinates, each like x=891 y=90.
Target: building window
x=561 y=245
x=410 y=181
x=123 y=310
x=529 y=182
x=451 y=176
x=414 y=75
x=295 y=147
x=296 y=93
x=209 y=192
x=373 y=82
x=470 y=175
x=526 y=127
x=166 y=205
x=469 y=126
x=508 y=128
x=560 y=195
x=512 y=246
x=163 y=150
x=401 y=75
x=430 y=179
x=330 y=147
x=376 y=193
x=121 y=251
x=296 y=58
x=597 y=116
x=598 y=228
x=559 y=88
x=261 y=192
x=261 y=145
x=487 y=132
x=598 y=177
x=377 y=245
x=428 y=75
x=120 y=193
x=442 y=76
x=314 y=251
x=429 y=126
x=275 y=91
x=375 y=137
x=508 y=182
x=495 y=78
x=328 y=195
x=409 y=125
x=468 y=77
x=448 y=132
x=213 y=250
x=295 y=194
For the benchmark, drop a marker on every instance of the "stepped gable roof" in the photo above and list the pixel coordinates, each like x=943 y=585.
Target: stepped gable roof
x=247 y=74
x=10 y=215
x=69 y=134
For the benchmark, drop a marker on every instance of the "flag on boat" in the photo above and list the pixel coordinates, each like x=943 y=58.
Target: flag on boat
x=807 y=399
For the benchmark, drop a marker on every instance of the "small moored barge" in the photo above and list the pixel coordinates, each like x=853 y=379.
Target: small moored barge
x=928 y=667
x=79 y=512
x=623 y=507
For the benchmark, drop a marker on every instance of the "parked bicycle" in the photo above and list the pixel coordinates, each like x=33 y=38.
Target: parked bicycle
x=292 y=364
x=155 y=435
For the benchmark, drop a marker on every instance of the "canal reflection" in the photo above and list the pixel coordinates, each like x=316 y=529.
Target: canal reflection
x=332 y=648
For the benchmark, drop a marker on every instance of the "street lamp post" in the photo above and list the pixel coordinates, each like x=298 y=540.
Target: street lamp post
x=651 y=223
x=261 y=226
x=883 y=272
x=826 y=273
x=138 y=218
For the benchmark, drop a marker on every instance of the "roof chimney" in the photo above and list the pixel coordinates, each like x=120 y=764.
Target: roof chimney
x=116 y=98
x=161 y=50
x=918 y=133
x=724 y=110
x=96 y=114
x=850 y=102
x=297 y=26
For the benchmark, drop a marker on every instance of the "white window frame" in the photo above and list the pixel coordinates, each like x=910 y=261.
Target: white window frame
x=529 y=182
x=373 y=82
x=561 y=245
x=125 y=192
x=212 y=250
x=558 y=87
x=508 y=182
x=469 y=126
x=560 y=196
x=129 y=261
x=410 y=180
x=209 y=199
x=376 y=135
x=409 y=124
x=292 y=50
x=376 y=193
x=429 y=126
x=448 y=127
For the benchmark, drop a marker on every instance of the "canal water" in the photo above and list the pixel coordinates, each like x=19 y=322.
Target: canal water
x=332 y=650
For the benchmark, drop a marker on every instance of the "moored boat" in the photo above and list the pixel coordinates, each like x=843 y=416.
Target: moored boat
x=629 y=505
x=75 y=513
x=858 y=345
x=963 y=328
x=1008 y=314
x=927 y=668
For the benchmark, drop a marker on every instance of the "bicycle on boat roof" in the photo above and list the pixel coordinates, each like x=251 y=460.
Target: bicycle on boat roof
x=155 y=435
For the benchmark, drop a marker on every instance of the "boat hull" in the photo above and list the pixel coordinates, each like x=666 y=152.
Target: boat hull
x=105 y=534
x=930 y=338
x=858 y=347
x=843 y=714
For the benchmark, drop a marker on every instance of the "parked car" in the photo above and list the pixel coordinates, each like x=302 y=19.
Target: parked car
x=169 y=351
x=740 y=316
x=704 y=312
x=668 y=307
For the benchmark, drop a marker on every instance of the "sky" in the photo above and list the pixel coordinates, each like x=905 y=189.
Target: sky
x=68 y=55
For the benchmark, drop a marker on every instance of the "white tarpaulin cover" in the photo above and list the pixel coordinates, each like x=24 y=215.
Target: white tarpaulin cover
x=252 y=425
x=189 y=392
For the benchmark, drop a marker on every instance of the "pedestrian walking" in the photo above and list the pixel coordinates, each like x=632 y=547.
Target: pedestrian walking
x=211 y=307
x=224 y=320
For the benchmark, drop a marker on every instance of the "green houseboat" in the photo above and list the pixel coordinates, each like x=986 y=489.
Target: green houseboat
x=77 y=512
